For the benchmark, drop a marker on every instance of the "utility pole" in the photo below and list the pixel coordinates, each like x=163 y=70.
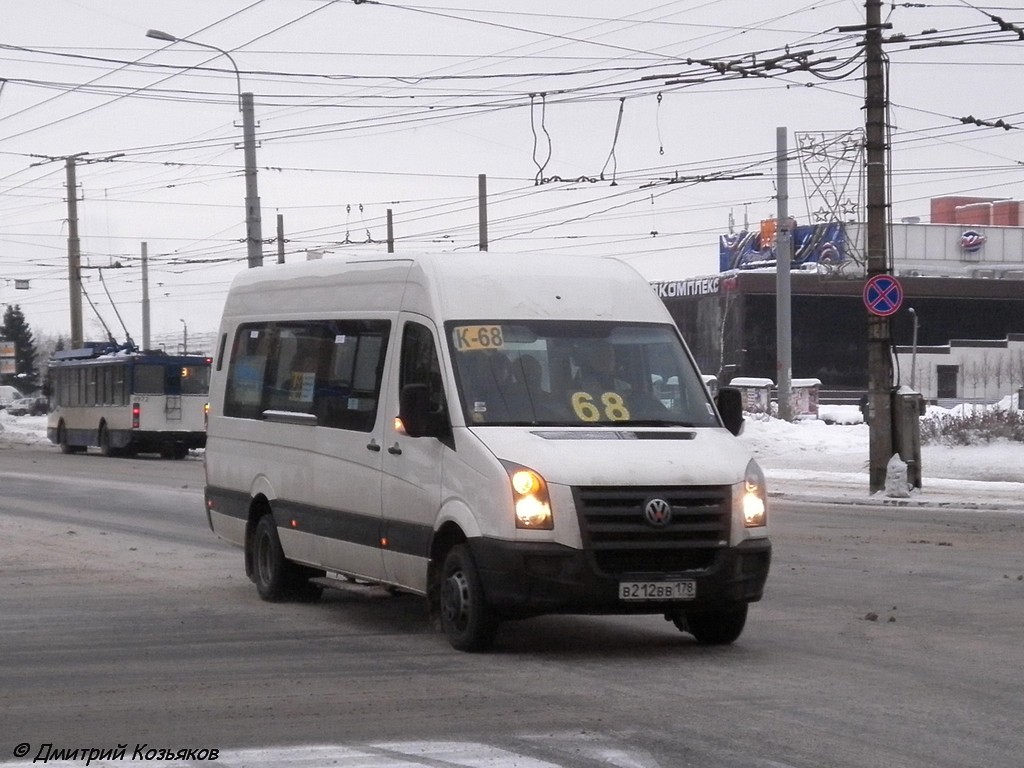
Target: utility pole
x=783 y=302
x=482 y=209
x=145 y=295
x=391 y=233
x=253 y=219
x=74 y=255
x=280 y=238
x=880 y=373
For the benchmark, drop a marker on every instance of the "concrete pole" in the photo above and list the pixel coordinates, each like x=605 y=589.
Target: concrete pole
x=74 y=256
x=280 y=238
x=391 y=233
x=783 y=302
x=145 y=296
x=880 y=435
x=482 y=208
x=253 y=218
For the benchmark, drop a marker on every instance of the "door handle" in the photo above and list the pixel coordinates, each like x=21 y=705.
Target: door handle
x=395 y=450
x=373 y=445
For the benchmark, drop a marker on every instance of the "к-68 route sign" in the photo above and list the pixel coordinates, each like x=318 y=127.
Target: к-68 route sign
x=883 y=295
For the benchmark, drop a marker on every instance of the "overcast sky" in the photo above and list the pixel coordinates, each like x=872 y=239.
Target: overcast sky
x=383 y=105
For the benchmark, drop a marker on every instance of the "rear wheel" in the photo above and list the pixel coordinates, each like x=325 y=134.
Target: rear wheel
x=270 y=568
x=276 y=577
x=104 y=440
x=467 y=620
x=714 y=626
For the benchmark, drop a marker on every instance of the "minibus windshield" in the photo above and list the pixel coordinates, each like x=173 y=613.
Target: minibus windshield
x=576 y=373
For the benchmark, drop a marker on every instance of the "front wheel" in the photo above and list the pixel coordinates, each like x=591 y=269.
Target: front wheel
x=467 y=620
x=714 y=626
x=62 y=441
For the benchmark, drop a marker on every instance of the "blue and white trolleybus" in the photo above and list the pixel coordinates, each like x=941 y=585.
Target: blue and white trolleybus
x=125 y=401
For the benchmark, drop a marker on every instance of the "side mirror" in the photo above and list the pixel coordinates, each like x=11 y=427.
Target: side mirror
x=730 y=406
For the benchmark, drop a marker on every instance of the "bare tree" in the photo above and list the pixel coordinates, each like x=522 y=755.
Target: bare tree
x=974 y=374
x=925 y=378
x=984 y=375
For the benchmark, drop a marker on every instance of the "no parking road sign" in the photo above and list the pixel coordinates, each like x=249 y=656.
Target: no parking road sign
x=883 y=295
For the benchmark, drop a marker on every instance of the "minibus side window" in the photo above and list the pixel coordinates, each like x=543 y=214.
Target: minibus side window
x=299 y=352
x=420 y=365
x=348 y=395
x=247 y=370
x=330 y=369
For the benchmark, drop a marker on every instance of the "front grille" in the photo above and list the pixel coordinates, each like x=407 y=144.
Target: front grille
x=620 y=540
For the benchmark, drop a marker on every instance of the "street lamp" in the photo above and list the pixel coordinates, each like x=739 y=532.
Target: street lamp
x=253 y=219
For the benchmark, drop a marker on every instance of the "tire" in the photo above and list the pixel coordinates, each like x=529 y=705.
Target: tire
x=271 y=570
x=278 y=579
x=62 y=441
x=716 y=626
x=104 y=440
x=469 y=623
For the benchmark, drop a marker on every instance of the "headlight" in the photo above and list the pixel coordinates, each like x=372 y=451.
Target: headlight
x=755 y=510
x=529 y=498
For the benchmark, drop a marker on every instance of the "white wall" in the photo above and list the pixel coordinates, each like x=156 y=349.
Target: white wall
x=935 y=250
x=987 y=370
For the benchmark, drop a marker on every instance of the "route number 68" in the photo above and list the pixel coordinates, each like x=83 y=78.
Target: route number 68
x=614 y=409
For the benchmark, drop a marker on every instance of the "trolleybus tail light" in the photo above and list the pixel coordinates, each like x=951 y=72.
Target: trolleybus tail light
x=136 y=411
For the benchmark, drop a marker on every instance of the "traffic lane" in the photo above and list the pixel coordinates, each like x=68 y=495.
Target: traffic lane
x=150 y=470
x=150 y=497
x=122 y=636
x=916 y=612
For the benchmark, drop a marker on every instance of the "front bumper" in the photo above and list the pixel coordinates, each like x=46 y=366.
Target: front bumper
x=530 y=579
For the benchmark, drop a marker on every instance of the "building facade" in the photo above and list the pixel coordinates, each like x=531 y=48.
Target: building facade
x=963 y=277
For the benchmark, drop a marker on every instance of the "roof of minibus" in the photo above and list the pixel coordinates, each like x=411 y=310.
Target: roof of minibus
x=452 y=285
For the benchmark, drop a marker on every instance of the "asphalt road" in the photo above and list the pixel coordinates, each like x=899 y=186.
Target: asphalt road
x=887 y=637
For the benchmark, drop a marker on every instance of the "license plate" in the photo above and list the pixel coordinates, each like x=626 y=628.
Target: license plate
x=657 y=590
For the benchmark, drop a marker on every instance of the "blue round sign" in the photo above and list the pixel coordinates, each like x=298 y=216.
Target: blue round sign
x=883 y=295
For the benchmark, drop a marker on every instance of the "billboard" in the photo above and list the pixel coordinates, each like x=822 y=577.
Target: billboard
x=823 y=244
x=8 y=364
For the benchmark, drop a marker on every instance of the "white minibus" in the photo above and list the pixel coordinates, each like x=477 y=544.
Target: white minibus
x=484 y=431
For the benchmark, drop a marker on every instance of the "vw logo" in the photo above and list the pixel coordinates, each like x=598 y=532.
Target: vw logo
x=658 y=512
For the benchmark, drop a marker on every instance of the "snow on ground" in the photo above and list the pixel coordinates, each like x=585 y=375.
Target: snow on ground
x=813 y=447
x=22 y=430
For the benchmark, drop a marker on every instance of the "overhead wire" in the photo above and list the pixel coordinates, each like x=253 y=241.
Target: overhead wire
x=609 y=95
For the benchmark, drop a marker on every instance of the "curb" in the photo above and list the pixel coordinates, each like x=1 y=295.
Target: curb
x=885 y=501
